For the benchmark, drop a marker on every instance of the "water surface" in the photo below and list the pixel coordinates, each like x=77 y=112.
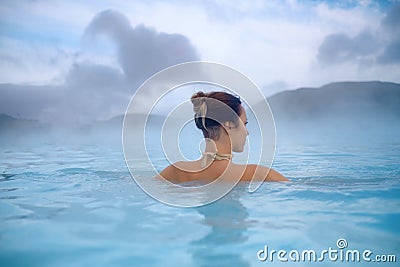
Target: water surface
x=76 y=205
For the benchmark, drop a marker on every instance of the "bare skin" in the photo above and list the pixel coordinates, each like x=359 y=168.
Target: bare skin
x=233 y=138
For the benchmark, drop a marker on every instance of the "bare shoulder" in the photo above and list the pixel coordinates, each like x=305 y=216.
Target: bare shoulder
x=178 y=171
x=185 y=165
x=261 y=172
x=169 y=173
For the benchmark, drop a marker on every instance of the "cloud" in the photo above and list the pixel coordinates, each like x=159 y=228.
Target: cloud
x=392 y=19
x=87 y=76
x=92 y=91
x=142 y=51
x=391 y=26
x=391 y=55
x=339 y=47
x=379 y=47
x=33 y=62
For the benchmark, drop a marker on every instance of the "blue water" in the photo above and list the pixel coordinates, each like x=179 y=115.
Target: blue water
x=76 y=205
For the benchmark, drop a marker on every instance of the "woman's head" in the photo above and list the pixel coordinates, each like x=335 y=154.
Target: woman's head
x=216 y=112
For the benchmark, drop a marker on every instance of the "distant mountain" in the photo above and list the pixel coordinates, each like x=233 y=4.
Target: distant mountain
x=364 y=110
x=347 y=100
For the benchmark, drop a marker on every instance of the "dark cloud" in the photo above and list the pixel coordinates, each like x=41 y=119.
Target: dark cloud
x=391 y=25
x=93 y=91
x=338 y=48
x=381 y=47
x=142 y=51
x=391 y=54
x=87 y=76
x=392 y=19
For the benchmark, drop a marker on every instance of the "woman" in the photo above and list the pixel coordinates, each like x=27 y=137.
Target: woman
x=222 y=119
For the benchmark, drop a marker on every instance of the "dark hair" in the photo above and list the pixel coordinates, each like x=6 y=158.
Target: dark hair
x=217 y=109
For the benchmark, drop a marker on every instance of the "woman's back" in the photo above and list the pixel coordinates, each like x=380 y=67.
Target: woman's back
x=188 y=171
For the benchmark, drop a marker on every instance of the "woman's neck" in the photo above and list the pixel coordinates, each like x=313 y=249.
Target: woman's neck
x=222 y=146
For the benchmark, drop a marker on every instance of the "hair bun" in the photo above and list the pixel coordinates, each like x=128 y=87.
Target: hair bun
x=198 y=99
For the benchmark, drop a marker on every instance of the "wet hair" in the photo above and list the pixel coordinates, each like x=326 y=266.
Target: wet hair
x=214 y=108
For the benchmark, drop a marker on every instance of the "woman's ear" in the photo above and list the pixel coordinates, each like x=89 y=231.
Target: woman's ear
x=228 y=124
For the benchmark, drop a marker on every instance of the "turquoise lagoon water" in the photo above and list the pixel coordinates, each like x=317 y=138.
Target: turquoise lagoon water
x=76 y=205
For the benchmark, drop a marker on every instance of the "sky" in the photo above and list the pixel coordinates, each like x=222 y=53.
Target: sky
x=80 y=61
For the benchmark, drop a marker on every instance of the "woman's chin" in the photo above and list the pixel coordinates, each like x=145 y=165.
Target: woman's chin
x=238 y=150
